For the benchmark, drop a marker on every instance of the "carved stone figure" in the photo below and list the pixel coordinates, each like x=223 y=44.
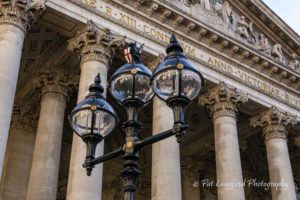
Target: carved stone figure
x=205 y=4
x=251 y=33
x=224 y=10
x=263 y=44
x=277 y=53
x=294 y=63
x=242 y=28
x=227 y=14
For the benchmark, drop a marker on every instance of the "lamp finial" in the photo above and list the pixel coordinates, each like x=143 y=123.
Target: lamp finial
x=174 y=45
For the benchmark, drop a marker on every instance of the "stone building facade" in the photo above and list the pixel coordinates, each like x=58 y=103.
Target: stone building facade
x=243 y=140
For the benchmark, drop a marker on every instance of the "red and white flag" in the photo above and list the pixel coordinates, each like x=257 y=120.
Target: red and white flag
x=128 y=55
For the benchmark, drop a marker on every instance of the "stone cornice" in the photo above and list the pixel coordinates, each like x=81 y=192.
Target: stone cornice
x=217 y=40
x=273 y=123
x=223 y=100
x=95 y=43
x=22 y=13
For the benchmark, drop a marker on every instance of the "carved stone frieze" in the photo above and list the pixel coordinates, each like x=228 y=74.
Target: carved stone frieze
x=22 y=13
x=56 y=83
x=263 y=44
x=223 y=100
x=25 y=116
x=95 y=43
x=273 y=123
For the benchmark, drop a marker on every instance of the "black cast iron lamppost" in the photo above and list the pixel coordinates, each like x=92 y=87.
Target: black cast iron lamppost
x=176 y=81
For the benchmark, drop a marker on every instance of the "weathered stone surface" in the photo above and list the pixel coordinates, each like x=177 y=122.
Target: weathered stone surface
x=43 y=181
x=165 y=156
x=222 y=101
x=273 y=123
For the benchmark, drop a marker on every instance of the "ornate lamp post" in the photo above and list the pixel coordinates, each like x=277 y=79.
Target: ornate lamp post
x=176 y=81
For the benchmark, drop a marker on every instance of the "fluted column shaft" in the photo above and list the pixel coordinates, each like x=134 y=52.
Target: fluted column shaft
x=166 y=175
x=223 y=101
x=11 y=43
x=46 y=158
x=228 y=159
x=273 y=123
x=96 y=51
x=15 y=19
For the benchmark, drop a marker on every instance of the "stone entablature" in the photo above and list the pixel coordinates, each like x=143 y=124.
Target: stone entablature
x=234 y=61
x=241 y=38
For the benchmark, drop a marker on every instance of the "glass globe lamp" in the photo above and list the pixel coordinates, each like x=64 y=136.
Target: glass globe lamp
x=176 y=81
x=130 y=84
x=176 y=76
x=93 y=117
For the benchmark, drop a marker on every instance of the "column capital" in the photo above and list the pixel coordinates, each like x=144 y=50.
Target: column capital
x=223 y=100
x=22 y=13
x=95 y=43
x=56 y=83
x=25 y=116
x=273 y=123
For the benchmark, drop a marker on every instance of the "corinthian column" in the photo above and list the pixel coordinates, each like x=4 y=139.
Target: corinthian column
x=222 y=101
x=273 y=123
x=19 y=152
x=96 y=48
x=45 y=165
x=15 y=18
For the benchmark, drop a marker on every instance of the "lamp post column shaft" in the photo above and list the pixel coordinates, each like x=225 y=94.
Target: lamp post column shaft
x=223 y=101
x=96 y=51
x=13 y=24
x=166 y=175
x=273 y=123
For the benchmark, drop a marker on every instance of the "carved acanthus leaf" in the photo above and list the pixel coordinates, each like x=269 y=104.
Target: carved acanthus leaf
x=223 y=100
x=97 y=43
x=25 y=116
x=22 y=13
x=273 y=122
x=273 y=116
x=56 y=81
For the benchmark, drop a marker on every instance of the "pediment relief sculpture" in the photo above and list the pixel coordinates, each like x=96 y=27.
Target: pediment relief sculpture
x=294 y=63
x=263 y=44
x=245 y=28
x=277 y=53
